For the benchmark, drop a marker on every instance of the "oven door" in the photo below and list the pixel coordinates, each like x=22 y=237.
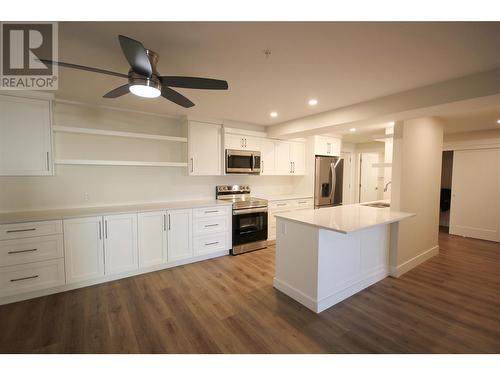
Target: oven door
x=238 y=161
x=249 y=225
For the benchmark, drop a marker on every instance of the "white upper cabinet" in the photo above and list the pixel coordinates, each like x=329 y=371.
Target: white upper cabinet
x=179 y=229
x=25 y=136
x=204 y=149
x=241 y=142
x=290 y=158
x=267 y=157
x=120 y=243
x=298 y=158
x=152 y=238
x=327 y=146
x=83 y=249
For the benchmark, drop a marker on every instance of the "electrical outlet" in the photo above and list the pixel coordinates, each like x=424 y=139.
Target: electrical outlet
x=86 y=196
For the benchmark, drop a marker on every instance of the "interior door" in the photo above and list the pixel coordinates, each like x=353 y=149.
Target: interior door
x=475 y=203
x=120 y=243
x=368 y=190
x=179 y=223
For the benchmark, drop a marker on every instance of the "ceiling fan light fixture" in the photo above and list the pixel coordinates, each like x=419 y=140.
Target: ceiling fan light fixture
x=145 y=88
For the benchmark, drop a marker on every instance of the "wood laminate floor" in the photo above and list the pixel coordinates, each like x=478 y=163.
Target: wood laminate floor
x=449 y=304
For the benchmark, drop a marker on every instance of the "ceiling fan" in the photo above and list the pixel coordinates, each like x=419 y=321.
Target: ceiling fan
x=144 y=79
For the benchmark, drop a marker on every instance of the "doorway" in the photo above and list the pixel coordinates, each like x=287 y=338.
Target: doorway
x=445 y=200
x=368 y=177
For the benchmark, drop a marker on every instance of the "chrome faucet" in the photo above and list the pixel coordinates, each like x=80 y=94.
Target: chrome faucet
x=387 y=186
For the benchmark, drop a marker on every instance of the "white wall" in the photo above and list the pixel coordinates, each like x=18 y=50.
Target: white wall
x=416 y=187
x=106 y=185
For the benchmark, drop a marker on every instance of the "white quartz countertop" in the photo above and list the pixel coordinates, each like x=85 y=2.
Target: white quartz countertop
x=68 y=213
x=283 y=197
x=345 y=219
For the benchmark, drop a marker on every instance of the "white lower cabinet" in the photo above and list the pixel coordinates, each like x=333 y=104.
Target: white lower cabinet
x=120 y=243
x=283 y=206
x=30 y=277
x=179 y=234
x=83 y=248
x=152 y=238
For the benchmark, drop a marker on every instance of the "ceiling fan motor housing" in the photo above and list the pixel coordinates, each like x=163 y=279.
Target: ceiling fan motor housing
x=138 y=79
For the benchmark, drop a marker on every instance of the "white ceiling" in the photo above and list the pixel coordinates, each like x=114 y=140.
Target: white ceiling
x=339 y=63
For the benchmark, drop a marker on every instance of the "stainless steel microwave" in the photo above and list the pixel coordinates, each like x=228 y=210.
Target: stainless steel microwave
x=239 y=161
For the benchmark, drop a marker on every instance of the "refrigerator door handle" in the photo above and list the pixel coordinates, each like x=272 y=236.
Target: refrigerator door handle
x=333 y=181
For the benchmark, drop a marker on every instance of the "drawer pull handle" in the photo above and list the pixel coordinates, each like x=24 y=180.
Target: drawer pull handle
x=302 y=202
x=24 y=278
x=21 y=230
x=212 y=243
x=21 y=251
x=211 y=212
x=281 y=204
x=211 y=225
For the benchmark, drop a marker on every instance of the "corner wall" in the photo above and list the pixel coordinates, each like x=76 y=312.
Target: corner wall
x=416 y=177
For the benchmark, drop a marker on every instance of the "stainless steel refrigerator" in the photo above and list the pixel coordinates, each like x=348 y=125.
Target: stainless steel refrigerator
x=328 y=181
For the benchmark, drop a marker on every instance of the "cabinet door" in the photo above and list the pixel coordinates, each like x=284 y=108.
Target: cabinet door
x=120 y=243
x=268 y=157
x=204 y=148
x=83 y=249
x=152 y=238
x=234 y=142
x=298 y=158
x=335 y=146
x=25 y=136
x=283 y=162
x=251 y=144
x=179 y=235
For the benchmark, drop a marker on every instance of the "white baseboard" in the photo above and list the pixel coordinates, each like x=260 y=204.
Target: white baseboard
x=296 y=294
x=326 y=302
x=63 y=288
x=413 y=262
x=329 y=301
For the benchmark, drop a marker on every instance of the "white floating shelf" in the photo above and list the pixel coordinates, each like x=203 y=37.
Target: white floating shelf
x=113 y=133
x=382 y=165
x=120 y=163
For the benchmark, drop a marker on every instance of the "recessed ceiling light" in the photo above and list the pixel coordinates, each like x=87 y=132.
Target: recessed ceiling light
x=498 y=122
x=313 y=101
x=352 y=130
x=392 y=123
x=273 y=114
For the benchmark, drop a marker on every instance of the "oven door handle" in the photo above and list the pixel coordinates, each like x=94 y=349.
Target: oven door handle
x=250 y=211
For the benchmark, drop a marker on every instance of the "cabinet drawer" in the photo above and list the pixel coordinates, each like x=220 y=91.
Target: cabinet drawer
x=281 y=205
x=211 y=225
x=23 y=230
x=304 y=203
x=33 y=249
x=209 y=244
x=200 y=213
x=32 y=276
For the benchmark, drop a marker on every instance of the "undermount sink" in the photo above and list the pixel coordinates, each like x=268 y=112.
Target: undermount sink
x=378 y=204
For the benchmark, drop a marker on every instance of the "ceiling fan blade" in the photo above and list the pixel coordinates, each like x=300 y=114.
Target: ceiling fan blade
x=194 y=83
x=175 y=97
x=119 y=91
x=136 y=55
x=83 y=67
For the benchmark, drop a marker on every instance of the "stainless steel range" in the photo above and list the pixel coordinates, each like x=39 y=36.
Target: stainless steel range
x=249 y=218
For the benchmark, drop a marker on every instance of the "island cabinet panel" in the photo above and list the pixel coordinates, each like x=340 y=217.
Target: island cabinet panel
x=319 y=267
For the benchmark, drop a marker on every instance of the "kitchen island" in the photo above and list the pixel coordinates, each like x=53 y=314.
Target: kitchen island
x=324 y=256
